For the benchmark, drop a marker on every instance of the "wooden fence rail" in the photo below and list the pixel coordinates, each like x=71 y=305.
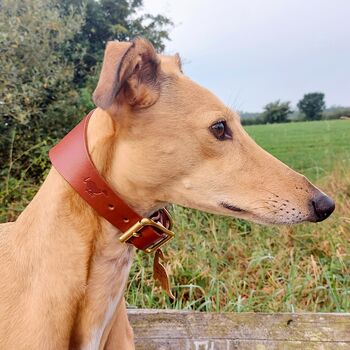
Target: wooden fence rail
x=181 y=330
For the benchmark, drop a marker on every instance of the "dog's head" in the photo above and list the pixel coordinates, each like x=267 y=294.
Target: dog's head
x=179 y=143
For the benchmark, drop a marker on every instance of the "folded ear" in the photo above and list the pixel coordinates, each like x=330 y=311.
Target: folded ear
x=130 y=71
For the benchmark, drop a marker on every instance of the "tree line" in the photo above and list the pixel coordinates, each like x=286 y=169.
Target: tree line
x=50 y=57
x=311 y=107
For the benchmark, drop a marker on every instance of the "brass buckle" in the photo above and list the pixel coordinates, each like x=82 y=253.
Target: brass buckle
x=134 y=231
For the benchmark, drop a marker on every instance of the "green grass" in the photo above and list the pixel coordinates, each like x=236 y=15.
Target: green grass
x=309 y=147
x=222 y=264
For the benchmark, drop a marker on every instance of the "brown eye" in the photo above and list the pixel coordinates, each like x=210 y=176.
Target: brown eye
x=221 y=131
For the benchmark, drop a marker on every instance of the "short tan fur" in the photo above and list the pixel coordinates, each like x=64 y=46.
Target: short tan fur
x=158 y=138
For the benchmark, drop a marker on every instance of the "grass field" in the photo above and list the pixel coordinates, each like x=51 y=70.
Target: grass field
x=221 y=264
x=309 y=147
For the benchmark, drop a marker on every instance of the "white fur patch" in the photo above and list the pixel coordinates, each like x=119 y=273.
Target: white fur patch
x=97 y=333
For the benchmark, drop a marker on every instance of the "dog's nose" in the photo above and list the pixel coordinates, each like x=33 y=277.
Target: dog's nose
x=323 y=206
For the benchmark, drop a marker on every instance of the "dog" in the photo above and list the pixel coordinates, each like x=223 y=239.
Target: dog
x=156 y=137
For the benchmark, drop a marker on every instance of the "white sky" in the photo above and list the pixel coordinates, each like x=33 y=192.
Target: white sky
x=252 y=52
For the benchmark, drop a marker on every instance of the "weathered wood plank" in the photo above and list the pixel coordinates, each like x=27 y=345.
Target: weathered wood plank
x=169 y=329
x=205 y=344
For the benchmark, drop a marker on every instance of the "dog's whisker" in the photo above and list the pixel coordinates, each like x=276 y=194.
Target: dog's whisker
x=263 y=201
x=274 y=210
x=269 y=191
x=257 y=208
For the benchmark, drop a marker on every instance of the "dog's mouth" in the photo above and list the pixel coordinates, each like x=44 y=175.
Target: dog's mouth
x=245 y=214
x=232 y=207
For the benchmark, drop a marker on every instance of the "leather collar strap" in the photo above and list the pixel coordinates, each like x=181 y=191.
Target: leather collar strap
x=71 y=159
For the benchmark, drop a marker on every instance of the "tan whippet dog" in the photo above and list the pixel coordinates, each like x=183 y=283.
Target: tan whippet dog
x=156 y=137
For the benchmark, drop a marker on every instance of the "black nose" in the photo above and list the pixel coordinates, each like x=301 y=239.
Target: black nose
x=323 y=206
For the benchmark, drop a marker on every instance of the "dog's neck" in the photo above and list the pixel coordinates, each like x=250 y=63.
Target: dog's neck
x=101 y=262
x=103 y=146
x=108 y=155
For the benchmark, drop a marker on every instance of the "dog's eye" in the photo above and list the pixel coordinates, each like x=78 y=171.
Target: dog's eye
x=221 y=131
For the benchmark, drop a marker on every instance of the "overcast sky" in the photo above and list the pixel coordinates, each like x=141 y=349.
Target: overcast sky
x=252 y=52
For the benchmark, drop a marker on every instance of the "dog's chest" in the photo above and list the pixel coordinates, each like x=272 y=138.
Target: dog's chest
x=98 y=332
x=109 y=271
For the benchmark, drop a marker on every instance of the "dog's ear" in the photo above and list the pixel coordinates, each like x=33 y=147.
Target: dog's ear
x=130 y=72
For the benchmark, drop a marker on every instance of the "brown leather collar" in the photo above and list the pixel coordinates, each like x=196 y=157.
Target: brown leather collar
x=71 y=159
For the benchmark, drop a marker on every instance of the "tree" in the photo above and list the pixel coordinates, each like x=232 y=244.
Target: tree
x=276 y=112
x=32 y=68
x=36 y=96
x=48 y=56
x=312 y=105
x=111 y=20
